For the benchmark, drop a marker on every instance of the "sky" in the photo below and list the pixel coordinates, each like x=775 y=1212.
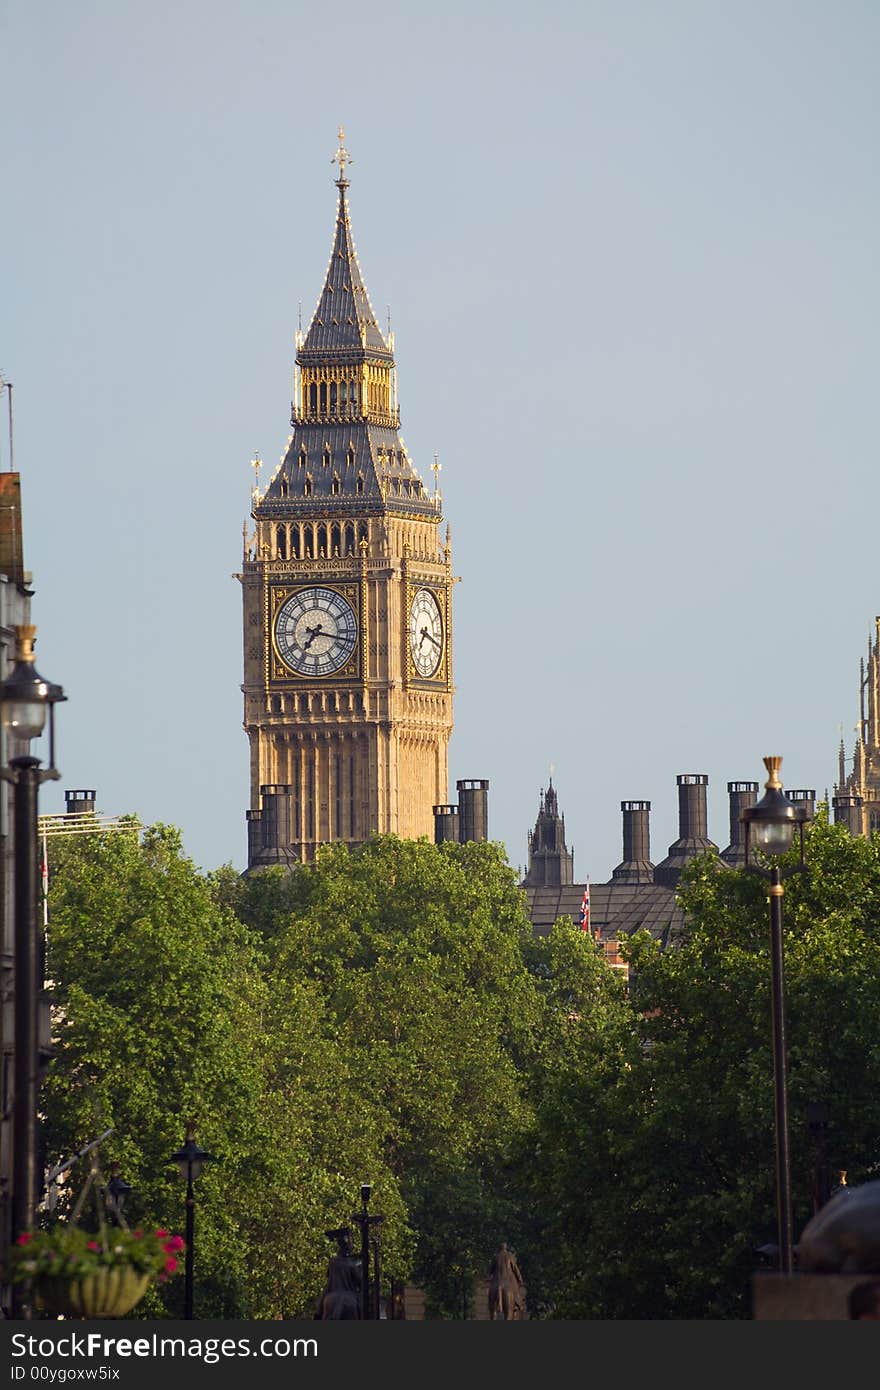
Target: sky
x=630 y=255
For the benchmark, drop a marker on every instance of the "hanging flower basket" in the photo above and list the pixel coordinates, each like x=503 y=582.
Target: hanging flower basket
x=108 y=1293
x=81 y=1275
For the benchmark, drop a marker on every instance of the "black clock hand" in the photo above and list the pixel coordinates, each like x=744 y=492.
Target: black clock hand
x=313 y=632
x=426 y=633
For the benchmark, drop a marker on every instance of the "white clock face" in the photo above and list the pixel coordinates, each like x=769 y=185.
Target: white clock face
x=425 y=633
x=315 y=631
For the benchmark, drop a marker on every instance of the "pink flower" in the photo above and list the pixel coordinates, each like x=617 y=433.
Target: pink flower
x=92 y=1245
x=170 y=1265
x=161 y=1232
x=174 y=1244
x=138 y=1234
x=24 y=1238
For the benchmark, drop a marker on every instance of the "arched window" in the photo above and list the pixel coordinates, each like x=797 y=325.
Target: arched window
x=307 y=486
x=325 y=458
x=309 y=542
x=303 y=458
x=362 y=532
x=336 y=485
x=349 y=539
x=353 y=393
x=360 y=484
x=323 y=394
x=335 y=539
x=313 y=398
x=294 y=543
x=333 y=398
x=281 y=542
x=322 y=540
x=343 y=389
x=349 y=457
x=283 y=487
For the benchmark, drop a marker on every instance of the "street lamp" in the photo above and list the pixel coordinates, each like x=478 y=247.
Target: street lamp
x=24 y=698
x=190 y=1160
x=115 y=1193
x=770 y=825
x=365 y=1221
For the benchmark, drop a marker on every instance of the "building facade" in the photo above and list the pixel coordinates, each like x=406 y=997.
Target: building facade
x=857 y=795
x=347 y=599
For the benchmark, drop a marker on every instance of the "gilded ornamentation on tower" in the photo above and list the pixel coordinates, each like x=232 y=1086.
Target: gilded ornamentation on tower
x=857 y=796
x=347 y=598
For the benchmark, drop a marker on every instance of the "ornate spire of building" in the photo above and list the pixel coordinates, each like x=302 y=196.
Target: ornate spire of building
x=550 y=860
x=344 y=320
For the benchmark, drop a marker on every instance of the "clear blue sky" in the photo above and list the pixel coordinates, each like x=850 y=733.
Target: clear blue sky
x=630 y=251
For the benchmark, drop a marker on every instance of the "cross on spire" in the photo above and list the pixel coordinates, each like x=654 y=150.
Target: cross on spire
x=342 y=157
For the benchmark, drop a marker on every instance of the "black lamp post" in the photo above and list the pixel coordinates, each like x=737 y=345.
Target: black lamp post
x=25 y=698
x=770 y=825
x=363 y=1219
x=115 y=1193
x=190 y=1160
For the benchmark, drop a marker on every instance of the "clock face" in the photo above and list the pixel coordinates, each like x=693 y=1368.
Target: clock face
x=425 y=633
x=315 y=631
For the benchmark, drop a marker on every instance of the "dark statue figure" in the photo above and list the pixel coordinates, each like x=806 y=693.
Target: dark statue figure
x=844 y=1235
x=342 y=1292
x=507 y=1291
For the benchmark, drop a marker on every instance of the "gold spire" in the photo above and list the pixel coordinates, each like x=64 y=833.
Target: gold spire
x=342 y=157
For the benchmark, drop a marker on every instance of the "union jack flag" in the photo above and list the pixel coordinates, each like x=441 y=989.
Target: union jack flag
x=585 y=908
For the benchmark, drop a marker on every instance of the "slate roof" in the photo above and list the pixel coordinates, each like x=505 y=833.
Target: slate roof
x=341 y=465
x=616 y=909
x=344 y=322
x=355 y=450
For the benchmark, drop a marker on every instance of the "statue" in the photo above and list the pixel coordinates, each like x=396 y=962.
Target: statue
x=342 y=1292
x=507 y=1291
x=844 y=1235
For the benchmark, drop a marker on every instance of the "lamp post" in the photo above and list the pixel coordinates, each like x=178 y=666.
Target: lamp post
x=115 y=1193
x=25 y=698
x=190 y=1159
x=770 y=826
x=363 y=1219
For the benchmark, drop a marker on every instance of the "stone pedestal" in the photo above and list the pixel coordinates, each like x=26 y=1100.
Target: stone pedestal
x=803 y=1297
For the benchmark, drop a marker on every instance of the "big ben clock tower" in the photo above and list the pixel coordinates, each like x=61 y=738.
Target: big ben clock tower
x=347 y=599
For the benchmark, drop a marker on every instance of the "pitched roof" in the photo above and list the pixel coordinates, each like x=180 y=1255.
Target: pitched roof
x=344 y=321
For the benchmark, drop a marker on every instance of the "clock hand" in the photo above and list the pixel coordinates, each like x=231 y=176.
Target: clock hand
x=426 y=633
x=313 y=632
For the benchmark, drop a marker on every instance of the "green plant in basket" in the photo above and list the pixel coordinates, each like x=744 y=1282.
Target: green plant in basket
x=102 y=1274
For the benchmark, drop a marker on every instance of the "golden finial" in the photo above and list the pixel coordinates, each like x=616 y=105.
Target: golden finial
x=25 y=637
x=773 y=765
x=342 y=157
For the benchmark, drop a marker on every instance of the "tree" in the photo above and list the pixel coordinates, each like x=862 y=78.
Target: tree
x=416 y=952
x=158 y=1004
x=662 y=1163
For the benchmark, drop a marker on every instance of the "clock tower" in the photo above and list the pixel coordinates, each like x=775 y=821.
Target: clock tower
x=347 y=594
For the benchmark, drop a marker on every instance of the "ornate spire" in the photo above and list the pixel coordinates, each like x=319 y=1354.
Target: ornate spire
x=341 y=157
x=344 y=320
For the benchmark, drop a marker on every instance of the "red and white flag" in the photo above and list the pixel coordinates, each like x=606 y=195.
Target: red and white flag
x=44 y=879
x=585 y=908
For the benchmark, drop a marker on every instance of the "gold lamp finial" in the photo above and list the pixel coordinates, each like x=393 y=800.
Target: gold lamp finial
x=342 y=157
x=25 y=636
x=773 y=765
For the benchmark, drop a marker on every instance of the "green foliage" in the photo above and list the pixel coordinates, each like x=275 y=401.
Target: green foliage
x=662 y=1172
x=386 y=1016
x=67 y=1251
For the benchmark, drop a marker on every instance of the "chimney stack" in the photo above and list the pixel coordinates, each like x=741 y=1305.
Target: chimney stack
x=79 y=803
x=636 y=866
x=473 y=810
x=445 y=824
x=693 y=838
x=741 y=794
